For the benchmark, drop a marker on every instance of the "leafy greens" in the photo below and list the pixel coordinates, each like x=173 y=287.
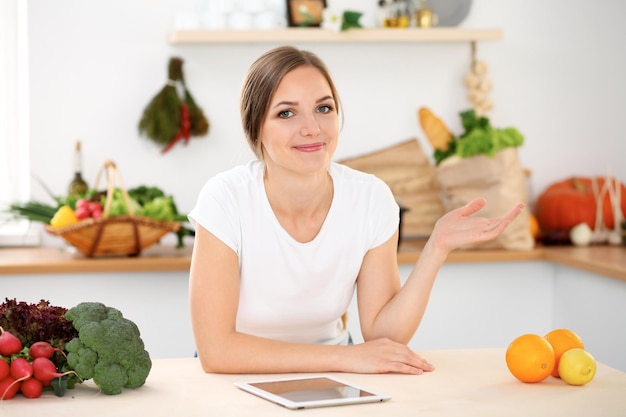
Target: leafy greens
x=479 y=138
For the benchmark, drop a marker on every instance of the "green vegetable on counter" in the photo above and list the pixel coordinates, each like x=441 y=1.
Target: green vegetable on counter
x=34 y=211
x=108 y=348
x=479 y=138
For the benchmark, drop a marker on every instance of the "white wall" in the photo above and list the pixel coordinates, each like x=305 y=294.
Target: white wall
x=557 y=73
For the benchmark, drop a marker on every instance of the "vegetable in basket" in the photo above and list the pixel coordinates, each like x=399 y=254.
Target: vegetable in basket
x=118 y=204
x=147 y=201
x=152 y=202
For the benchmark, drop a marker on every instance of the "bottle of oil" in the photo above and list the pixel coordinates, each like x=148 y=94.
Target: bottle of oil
x=78 y=187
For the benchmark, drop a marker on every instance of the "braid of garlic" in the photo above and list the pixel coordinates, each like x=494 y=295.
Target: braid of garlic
x=478 y=85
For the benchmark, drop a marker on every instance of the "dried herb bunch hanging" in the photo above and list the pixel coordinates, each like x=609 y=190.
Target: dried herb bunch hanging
x=173 y=115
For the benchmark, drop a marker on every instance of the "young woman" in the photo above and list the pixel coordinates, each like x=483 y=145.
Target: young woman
x=283 y=242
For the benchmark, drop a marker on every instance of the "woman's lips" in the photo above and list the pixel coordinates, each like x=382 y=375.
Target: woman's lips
x=310 y=147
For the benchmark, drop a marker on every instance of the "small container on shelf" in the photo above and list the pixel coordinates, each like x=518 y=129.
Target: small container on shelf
x=394 y=13
x=425 y=17
x=78 y=186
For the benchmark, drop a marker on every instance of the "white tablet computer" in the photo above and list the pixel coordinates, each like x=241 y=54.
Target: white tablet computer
x=310 y=392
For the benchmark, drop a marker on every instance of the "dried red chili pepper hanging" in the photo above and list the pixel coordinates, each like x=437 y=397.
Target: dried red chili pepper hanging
x=184 y=132
x=173 y=115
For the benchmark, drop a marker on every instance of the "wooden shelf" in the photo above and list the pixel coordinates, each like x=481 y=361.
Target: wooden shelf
x=327 y=36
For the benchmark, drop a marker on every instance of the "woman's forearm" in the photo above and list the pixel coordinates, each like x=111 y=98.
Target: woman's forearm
x=246 y=354
x=401 y=316
x=241 y=353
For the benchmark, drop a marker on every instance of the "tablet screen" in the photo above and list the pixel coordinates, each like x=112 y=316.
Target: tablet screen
x=313 y=389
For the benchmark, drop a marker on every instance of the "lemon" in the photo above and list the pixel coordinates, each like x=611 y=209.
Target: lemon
x=577 y=366
x=63 y=217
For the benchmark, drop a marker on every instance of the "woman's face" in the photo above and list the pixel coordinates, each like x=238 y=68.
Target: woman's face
x=301 y=128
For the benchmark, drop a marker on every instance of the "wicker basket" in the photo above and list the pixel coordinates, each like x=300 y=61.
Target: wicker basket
x=114 y=236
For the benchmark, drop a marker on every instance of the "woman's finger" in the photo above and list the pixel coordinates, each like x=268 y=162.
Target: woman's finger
x=473 y=206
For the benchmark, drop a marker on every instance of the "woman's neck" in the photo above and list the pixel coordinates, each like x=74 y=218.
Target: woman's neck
x=300 y=201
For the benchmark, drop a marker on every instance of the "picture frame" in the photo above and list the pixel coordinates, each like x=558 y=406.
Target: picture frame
x=305 y=13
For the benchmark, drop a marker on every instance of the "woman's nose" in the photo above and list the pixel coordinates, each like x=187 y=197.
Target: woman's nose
x=310 y=126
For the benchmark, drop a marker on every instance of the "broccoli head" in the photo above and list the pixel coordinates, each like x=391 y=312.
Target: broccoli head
x=80 y=358
x=110 y=377
x=108 y=348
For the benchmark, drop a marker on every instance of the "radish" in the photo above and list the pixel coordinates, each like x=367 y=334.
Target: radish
x=5 y=369
x=97 y=213
x=8 y=388
x=45 y=370
x=9 y=344
x=31 y=388
x=81 y=202
x=82 y=212
x=94 y=206
x=21 y=369
x=43 y=350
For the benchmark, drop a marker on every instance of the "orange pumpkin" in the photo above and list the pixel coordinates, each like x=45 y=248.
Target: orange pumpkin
x=570 y=202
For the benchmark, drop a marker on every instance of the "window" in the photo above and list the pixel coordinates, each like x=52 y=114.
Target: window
x=14 y=152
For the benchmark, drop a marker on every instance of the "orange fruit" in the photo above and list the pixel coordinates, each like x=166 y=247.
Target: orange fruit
x=533 y=225
x=530 y=358
x=562 y=340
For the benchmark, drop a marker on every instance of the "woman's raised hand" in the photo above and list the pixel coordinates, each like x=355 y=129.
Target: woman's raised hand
x=460 y=227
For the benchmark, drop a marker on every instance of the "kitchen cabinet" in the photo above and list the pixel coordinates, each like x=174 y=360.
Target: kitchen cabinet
x=480 y=299
x=482 y=305
x=156 y=301
x=478 y=305
x=594 y=306
x=296 y=35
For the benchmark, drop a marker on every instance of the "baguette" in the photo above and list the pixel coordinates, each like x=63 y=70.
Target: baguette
x=435 y=129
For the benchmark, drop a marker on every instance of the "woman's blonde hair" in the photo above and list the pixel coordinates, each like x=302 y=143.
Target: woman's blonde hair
x=261 y=82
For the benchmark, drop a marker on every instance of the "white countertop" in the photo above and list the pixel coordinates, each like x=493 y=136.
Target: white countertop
x=472 y=382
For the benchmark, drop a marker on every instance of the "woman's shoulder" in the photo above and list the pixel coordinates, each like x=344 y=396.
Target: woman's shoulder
x=354 y=177
x=237 y=176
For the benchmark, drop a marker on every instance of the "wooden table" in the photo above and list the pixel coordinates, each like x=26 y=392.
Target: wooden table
x=472 y=382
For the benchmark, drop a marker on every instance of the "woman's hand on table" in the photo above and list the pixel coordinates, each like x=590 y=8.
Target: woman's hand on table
x=386 y=356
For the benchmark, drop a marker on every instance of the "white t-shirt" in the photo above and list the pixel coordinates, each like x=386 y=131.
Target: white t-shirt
x=289 y=290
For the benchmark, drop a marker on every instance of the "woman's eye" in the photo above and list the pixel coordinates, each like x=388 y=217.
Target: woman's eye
x=285 y=114
x=325 y=108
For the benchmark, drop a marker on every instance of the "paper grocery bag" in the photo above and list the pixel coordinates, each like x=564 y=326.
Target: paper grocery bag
x=501 y=181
